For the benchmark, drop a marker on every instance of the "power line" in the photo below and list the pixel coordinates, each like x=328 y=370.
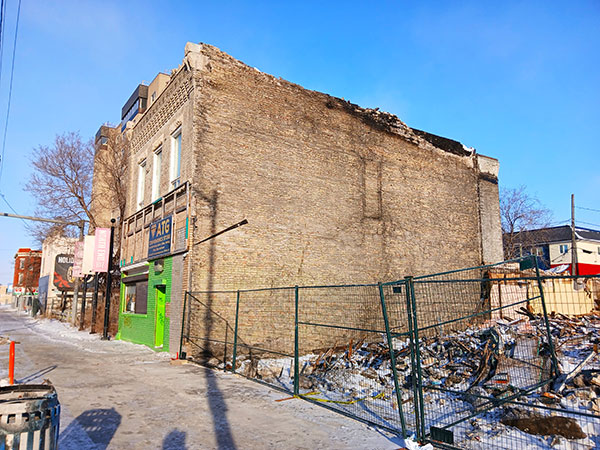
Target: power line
x=588 y=209
x=12 y=71
x=589 y=223
x=10 y=206
x=2 y=16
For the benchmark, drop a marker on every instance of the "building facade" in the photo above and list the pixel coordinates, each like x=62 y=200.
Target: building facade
x=331 y=192
x=56 y=269
x=27 y=271
x=554 y=247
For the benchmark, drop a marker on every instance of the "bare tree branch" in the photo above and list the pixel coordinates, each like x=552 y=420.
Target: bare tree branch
x=518 y=213
x=62 y=182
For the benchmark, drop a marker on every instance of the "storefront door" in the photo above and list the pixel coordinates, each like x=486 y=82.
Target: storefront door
x=159 y=329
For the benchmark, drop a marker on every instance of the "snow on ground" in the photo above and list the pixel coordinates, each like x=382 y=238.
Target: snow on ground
x=362 y=384
x=153 y=402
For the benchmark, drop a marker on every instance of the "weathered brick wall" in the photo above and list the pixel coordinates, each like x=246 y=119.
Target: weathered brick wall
x=172 y=110
x=332 y=193
x=330 y=197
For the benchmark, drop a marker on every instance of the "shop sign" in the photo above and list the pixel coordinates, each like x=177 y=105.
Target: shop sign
x=159 y=240
x=63 y=272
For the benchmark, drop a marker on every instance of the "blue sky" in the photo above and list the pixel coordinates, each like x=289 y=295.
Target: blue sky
x=518 y=81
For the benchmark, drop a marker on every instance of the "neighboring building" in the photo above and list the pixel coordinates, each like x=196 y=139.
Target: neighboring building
x=27 y=271
x=56 y=275
x=5 y=294
x=109 y=170
x=333 y=193
x=553 y=246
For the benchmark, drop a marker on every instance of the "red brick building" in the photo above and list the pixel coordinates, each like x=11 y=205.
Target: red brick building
x=27 y=271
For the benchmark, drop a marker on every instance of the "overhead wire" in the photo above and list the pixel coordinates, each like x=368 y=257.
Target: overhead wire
x=11 y=208
x=2 y=16
x=588 y=209
x=589 y=223
x=12 y=71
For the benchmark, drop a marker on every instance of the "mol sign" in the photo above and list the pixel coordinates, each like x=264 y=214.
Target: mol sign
x=159 y=240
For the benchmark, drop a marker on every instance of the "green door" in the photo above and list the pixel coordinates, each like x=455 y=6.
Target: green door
x=159 y=329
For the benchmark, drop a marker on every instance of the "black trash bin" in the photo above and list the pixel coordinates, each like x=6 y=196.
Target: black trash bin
x=29 y=417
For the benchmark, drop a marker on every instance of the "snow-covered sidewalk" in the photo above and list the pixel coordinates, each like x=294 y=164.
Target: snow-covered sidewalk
x=120 y=395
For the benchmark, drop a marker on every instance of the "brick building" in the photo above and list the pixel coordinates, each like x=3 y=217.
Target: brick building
x=27 y=271
x=332 y=192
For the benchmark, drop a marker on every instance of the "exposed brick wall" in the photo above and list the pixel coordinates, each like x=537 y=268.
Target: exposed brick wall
x=172 y=110
x=332 y=193
x=330 y=197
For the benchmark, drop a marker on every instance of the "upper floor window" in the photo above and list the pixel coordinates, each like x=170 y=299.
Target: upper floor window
x=141 y=186
x=175 y=171
x=564 y=248
x=20 y=279
x=22 y=263
x=156 y=169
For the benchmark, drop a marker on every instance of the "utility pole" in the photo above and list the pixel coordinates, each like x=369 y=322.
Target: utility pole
x=574 y=261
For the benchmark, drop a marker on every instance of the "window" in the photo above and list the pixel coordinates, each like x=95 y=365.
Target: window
x=153 y=97
x=156 y=169
x=141 y=184
x=175 y=158
x=22 y=263
x=20 y=279
x=136 y=298
x=564 y=248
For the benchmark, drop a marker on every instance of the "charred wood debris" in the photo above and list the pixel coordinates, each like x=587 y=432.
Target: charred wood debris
x=481 y=367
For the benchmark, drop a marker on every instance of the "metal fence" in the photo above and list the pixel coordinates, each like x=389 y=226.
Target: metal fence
x=473 y=352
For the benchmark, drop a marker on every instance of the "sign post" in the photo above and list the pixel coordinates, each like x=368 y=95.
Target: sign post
x=108 y=279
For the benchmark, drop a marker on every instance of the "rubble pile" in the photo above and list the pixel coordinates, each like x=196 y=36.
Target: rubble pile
x=466 y=374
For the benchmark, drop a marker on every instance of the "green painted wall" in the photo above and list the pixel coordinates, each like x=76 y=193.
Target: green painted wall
x=139 y=328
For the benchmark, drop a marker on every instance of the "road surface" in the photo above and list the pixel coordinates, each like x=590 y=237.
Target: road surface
x=118 y=395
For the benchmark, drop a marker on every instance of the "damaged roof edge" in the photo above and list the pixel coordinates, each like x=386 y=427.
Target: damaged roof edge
x=198 y=56
x=449 y=145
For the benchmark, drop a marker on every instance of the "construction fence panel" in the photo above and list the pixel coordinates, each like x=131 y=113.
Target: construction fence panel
x=461 y=359
x=265 y=342
x=475 y=358
x=345 y=361
x=208 y=326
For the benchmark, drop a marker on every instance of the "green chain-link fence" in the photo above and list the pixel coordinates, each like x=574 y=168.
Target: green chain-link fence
x=472 y=354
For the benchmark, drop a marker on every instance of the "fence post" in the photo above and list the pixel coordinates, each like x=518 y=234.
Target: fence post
x=182 y=354
x=413 y=358
x=235 y=332
x=392 y=359
x=411 y=284
x=296 y=357
x=547 y=323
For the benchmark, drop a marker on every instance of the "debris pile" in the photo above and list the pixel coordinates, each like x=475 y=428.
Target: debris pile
x=467 y=374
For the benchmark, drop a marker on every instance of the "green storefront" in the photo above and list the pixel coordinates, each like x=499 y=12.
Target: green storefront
x=146 y=292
